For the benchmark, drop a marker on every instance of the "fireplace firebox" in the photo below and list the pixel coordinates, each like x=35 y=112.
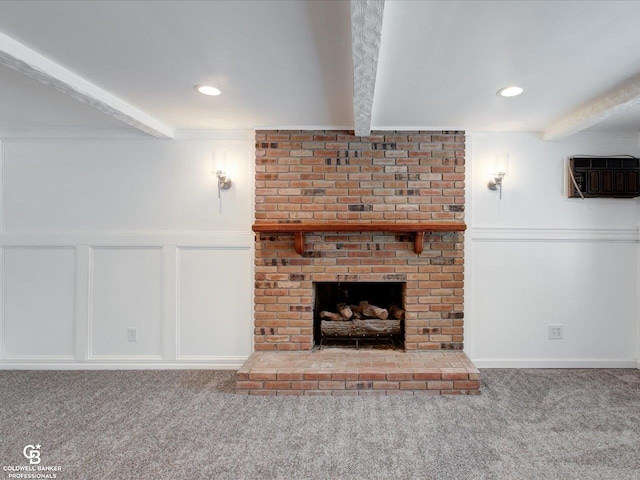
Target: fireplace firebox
x=360 y=313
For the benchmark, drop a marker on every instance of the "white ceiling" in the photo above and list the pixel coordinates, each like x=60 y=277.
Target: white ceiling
x=289 y=63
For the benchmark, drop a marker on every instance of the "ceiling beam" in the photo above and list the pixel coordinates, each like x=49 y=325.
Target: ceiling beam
x=598 y=110
x=17 y=56
x=366 y=30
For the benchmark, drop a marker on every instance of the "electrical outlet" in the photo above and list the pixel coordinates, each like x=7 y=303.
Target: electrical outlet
x=556 y=331
x=132 y=334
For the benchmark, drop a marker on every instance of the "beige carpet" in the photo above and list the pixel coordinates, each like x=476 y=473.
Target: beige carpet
x=527 y=424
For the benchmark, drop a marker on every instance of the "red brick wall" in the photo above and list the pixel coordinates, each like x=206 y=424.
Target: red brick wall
x=335 y=176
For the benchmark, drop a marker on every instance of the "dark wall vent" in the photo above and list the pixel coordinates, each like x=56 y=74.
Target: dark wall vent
x=598 y=177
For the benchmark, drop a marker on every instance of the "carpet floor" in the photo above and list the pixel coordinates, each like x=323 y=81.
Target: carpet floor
x=527 y=424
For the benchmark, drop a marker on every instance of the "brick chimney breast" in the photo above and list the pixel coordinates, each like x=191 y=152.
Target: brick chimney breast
x=334 y=176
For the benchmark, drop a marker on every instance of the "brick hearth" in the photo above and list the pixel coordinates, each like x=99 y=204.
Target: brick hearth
x=322 y=177
x=334 y=371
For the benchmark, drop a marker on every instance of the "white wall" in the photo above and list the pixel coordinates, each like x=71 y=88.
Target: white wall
x=536 y=258
x=98 y=236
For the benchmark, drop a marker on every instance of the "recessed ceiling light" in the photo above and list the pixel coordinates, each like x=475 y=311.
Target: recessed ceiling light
x=510 y=91
x=207 y=90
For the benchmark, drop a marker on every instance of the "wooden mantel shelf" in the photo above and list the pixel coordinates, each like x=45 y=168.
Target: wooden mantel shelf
x=417 y=229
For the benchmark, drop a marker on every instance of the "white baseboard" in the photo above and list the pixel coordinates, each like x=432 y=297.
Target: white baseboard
x=555 y=363
x=236 y=363
x=222 y=363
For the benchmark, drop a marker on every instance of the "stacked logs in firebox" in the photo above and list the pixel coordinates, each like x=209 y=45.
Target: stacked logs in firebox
x=363 y=320
x=364 y=310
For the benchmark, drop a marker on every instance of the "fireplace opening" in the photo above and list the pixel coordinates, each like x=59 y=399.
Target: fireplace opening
x=360 y=314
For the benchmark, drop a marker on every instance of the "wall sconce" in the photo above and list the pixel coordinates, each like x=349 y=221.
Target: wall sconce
x=501 y=169
x=220 y=161
x=224 y=182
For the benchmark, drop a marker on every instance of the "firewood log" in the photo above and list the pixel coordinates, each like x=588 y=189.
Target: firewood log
x=361 y=328
x=334 y=317
x=396 y=312
x=373 y=311
x=344 y=310
x=357 y=311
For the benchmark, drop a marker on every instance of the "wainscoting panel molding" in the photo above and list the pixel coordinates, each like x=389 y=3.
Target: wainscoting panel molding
x=170 y=298
x=126 y=288
x=39 y=303
x=98 y=306
x=83 y=301
x=585 y=283
x=214 y=303
x=611 y=235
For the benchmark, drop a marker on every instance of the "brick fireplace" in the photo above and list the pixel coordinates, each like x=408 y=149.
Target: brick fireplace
x=333 y=207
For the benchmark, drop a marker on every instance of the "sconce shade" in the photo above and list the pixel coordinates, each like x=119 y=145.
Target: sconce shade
x=500 y=170
x=220 y=170
x=501 y=164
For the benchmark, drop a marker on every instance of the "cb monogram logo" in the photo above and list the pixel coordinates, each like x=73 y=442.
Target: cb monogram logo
x=32 y=453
